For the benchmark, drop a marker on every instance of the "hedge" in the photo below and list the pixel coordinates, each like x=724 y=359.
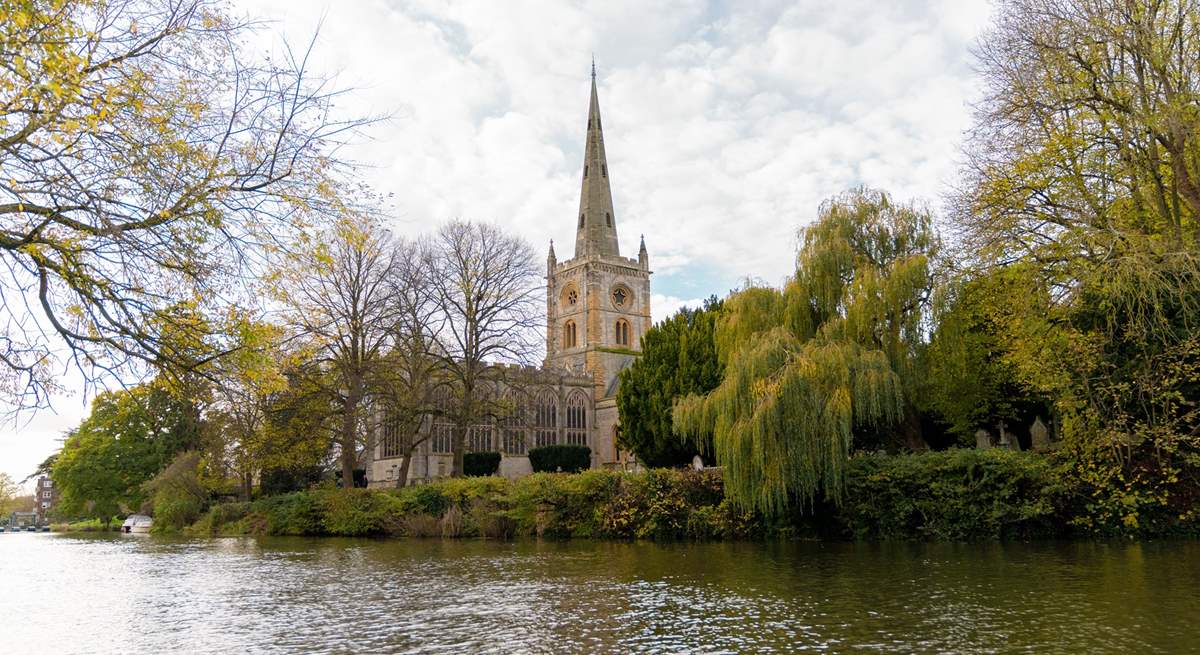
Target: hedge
x=480 y=464
x=560 y=458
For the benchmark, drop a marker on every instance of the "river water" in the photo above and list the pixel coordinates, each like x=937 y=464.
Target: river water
x=112 y=594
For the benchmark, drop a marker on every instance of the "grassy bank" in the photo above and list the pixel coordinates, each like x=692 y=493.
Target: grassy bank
x=89 y=525
x=953 y=495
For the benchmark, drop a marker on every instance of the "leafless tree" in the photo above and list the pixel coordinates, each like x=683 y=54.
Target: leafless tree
x=411 y=374
x=486 y=289
x=341 y=309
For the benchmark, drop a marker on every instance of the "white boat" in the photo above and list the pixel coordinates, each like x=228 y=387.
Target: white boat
x=137 y=523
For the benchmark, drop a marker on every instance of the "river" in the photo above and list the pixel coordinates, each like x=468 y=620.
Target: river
x=112 y=594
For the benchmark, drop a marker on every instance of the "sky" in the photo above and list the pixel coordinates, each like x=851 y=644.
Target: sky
x=726 y=124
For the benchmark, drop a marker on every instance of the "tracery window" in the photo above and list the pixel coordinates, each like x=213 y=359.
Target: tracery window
x=545 y=419
x=577 y=419
x=514 y=426
x=441 y=432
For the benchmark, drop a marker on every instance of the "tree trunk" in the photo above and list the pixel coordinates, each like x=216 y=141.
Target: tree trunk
x=349 y=423
x=456 y=450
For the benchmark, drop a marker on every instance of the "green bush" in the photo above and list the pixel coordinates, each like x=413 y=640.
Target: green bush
x=953 y=495
x=287 y=480
x=177 y=494
x=294 y=514
x=561 y=458
x=481 y=464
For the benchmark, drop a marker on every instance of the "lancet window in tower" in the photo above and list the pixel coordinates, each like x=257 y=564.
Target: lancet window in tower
x=585 y=170
x=581 y=221
x=622 y=330
x=577 y=419
x=608 y=217
x=569 y=336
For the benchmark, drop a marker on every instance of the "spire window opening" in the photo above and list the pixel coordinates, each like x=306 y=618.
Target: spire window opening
x=585 y=171
x=603 y=170
x=608 y=216
x=581 y=221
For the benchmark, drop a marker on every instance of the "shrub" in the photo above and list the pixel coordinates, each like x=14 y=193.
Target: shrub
x=560 y=458
x=481 y=464
x=358 y=512
x=287 y=480
x=952 y=495
x=294 y=514
x=178 y=497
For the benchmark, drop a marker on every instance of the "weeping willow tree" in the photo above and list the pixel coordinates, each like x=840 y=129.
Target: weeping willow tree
x=828 y=357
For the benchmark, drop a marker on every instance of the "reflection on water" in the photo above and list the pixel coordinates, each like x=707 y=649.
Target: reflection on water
x=293 y=595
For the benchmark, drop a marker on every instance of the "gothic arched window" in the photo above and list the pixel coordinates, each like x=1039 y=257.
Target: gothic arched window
x=577 y=419
x=622 y=329
x=545 y=419
x=569 y=336
x=513 y=424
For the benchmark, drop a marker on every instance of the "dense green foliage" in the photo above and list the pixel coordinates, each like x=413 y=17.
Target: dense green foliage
x=484 y=463
x=1083 y=184
x=129 y=437
x=679 y=356
x=177 y=496
x=970 y=384
x=659 y=504
x=284 y=480
x=824 y=364
x=560 y=458
x=956 y=495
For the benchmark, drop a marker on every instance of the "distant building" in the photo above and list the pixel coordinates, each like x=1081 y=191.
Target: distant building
x=597 y=309
x=44 y=498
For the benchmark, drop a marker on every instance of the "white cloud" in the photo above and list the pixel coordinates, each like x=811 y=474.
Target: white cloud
x=726 y=124
x=663 y=307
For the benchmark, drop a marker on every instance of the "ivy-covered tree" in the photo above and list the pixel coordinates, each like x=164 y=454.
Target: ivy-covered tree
x=127 y=439
x=679 y=356
x=830 y=356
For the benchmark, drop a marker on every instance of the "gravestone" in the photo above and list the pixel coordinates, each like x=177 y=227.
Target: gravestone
x=1007 y=439
x=983 y=439
x=1039 y=434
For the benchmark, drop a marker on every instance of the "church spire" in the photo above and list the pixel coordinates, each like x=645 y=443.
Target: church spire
x=596 y=232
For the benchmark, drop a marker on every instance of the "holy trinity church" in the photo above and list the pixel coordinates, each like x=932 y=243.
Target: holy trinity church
x=597 y=309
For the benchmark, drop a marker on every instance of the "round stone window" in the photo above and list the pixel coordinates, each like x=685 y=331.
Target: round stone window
x=621 y=296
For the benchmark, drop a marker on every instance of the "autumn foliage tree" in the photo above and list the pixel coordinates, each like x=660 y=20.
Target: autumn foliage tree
x=145 y=157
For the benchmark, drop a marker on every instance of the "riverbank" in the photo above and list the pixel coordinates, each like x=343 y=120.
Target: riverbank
x=956 y=495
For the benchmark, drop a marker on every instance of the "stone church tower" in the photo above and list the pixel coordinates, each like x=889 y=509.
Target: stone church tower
x=597 y=302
